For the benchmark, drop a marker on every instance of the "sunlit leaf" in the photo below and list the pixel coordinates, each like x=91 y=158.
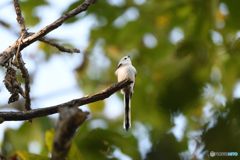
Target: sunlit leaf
x=74 y=153
x=97 y=106
x=49 y=137
x=29 y=156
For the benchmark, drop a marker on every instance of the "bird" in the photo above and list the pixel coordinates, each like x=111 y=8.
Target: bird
x=126 y=70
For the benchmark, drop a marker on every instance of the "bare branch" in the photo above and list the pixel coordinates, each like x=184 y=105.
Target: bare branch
x=83 y=7
x=19 y=43
x=10 y=51
x=70 y=119
x=20 y=19
x=25 y=76
x=18 y=56
x=58 y=46
x=26 y=115
x=21 y=22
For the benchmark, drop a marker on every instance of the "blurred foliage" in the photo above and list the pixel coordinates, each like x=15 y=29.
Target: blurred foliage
x=195 y=77
x=28 y=7
x=19 y=140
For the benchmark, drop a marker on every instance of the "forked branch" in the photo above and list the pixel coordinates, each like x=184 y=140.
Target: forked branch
x=26 y=41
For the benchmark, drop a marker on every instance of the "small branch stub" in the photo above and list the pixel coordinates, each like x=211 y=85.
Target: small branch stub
x=70 y=119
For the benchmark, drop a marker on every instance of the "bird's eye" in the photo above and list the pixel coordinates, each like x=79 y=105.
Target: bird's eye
x=125 y=58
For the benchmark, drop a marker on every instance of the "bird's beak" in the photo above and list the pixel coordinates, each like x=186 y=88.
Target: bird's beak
x=129 y=56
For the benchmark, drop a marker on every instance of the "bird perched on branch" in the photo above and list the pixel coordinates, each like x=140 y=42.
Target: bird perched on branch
x=126 y=70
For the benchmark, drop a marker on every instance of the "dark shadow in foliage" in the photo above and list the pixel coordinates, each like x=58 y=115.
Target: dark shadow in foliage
x=225 y=136
x=166 y=148
x=99 y=144
x=194 y=47
x=234 y=48
x=181 y=91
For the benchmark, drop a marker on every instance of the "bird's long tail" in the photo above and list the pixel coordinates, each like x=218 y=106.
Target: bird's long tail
x=127 y=112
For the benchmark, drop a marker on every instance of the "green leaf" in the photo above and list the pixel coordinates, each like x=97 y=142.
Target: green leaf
x=97 y=106
x=29 y=156
x=49 y=137
x=74 y=153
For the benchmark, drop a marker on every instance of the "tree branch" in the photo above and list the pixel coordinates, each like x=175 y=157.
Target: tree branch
x=20 y=19
x=70 y=119
x=18 y=56
x=41 y=112
x=21 y=22
x=10 y=51
x=83 y=7
x=25 y=76
x=58 y=46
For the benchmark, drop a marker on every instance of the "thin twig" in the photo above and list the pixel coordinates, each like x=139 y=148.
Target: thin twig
x=25 y=76
x=21 y=22
x=19 y=44
x=20 y=18
x=58 y=46
x=41 y=112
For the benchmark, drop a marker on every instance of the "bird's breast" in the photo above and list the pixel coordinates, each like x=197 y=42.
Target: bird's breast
x=126 y=72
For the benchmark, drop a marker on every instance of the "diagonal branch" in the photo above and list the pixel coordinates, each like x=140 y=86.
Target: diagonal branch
x=41 y=112
x=58 y=46
x=10 y=51
x=83 y=7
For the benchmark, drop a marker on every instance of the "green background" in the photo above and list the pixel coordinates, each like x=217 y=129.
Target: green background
x=193 y=80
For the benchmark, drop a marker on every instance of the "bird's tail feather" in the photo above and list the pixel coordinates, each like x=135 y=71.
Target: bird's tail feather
x=127 y=112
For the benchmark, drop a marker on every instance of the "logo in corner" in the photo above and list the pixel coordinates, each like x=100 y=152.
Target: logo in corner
x=212 y=154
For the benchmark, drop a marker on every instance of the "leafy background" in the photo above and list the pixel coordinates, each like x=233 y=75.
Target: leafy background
x=186 y=98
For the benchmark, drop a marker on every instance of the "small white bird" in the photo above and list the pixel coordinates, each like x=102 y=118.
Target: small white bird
x=126 y=70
